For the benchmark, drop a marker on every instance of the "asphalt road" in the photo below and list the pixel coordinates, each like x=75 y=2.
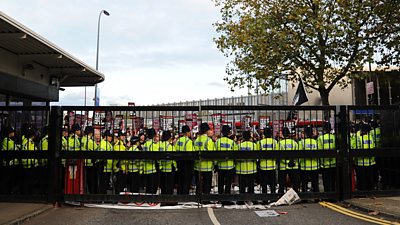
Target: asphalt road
x=296 y=214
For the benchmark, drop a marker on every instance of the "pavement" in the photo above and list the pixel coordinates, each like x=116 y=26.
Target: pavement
x=386 y=206
x=17 y=213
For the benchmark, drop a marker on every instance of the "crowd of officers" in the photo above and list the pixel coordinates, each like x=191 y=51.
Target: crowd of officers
x=115 y=176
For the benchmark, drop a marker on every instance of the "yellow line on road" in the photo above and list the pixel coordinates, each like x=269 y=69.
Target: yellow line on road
x=212 y=216
x=355 y=214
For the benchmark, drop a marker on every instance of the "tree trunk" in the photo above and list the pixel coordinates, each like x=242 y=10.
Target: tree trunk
x=324 y=96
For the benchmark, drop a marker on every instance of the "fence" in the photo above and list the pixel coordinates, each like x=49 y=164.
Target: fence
x=102 y=164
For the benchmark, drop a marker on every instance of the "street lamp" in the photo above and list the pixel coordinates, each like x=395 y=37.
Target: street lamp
x=96 y=102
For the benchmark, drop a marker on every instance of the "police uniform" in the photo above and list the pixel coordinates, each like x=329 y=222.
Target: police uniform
x=30 y=166
x=167 y=167
x=309 y=167
x=133 y=168
x=43 y=163
x=185 y=167
x=203 y=168
x=150 y=172
x=327 y=141
x=11 y=174
x=226 y=168
x=246 y=169
x=288 y=167
x=119 y=165
x=88 y=144
x=106 y=178
x=267 y=173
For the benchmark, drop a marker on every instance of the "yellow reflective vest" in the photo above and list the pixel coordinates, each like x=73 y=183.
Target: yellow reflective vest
x=166 y=165
x=119 y=146
x=8 y=144
x=88 y=144
x=246 y=166
x=74 y=143
x=268 y=144
x=204 y=143
x=225 y=144
x=29 y=145
x=327 y=142
x=288 y=144
x=365 y=142
x=107 y=146
x=184 y=144
x=133 y=166
x=308 y=163
x=44 y=146
x=150 y=166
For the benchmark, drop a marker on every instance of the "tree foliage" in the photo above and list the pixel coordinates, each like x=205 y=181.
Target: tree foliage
x=319 y=41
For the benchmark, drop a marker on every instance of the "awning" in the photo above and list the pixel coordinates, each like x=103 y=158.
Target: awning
x=31 y=47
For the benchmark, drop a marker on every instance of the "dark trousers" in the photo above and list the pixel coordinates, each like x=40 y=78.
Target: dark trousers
x=120 y=183
x=29 y=183
x=268 y=177
x=151 y=182
x=43 y=178
x=134 y=182
x=167 y=183
x=305 y=176
x=329 y=179
x=185 y=175
x=203 y=182
x=366 y=177
x=90 y=179
x=225 y=178
x=106 y=183
x=246 y=180
x=11 y=180
x=293 y=175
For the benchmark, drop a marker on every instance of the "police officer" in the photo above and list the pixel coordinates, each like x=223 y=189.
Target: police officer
x=185 y=167
x=133 y=167
x=120 y=170
x=167 y=167
x=365 y=166
x=246 y=169
x=43 y=163
x=327 y=141
x=309 y=166
x=88 y=144
x=30 y=166
x=268 y=166
x=288 y=167
x=74 y=143
x=203 y=168
x=150 y=172
x=106 y=178
x=226 y=168
x=12 y=169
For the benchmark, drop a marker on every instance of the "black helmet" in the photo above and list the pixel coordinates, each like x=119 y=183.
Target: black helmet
x=225 y=130
x=204 y=128
x=75 y=127
x=268 y=132
x=121 y=133
x=134 y=139
x=285 y=132
x=107 y=133
x=308 y=131
x=185 y=129
x=151 y=133
x=10 y=129
x=89 y=129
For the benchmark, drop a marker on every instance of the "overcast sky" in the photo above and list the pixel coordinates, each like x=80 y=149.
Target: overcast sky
x=151 y=51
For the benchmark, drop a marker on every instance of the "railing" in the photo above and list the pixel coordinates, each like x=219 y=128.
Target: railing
x=74 y=169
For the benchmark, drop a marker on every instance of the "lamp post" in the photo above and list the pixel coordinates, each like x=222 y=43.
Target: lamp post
x=97 y=52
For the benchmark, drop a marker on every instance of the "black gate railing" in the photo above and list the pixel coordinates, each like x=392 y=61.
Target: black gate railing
x=337 y=153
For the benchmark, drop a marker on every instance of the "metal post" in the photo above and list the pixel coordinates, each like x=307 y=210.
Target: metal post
x=55 y=189
x=343 y=184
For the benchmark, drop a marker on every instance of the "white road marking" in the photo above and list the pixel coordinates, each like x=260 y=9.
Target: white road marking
x=212 y=216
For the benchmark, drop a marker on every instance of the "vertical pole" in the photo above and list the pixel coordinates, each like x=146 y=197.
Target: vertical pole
x=343 y=184
x=55 y=189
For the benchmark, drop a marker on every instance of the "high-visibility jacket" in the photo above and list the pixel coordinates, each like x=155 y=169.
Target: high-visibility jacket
x=365 y=142
x=166 y=165
x=107 y=146
x=225 y=144
x=64 y=143
x=44 y=146
x=308 y=163
x=74 y=143
x=327 y=142
x=150 y=166
x=246 y=166
x=29 y=145
x=119 y=164
x=353 y=141
x=204 y=143
x=8 y=144
x=288 y=144
x=133 y=166
x=184 y=144
x=88 y=144
x=376 y=137
x=268 y=144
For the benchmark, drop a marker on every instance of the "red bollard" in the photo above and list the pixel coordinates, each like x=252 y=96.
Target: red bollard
x=74 y=178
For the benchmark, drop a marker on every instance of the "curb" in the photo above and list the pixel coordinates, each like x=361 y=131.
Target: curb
x=24 y=218
x=367 y=210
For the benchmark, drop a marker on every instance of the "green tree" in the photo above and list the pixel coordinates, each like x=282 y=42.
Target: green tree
x=320 y=41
